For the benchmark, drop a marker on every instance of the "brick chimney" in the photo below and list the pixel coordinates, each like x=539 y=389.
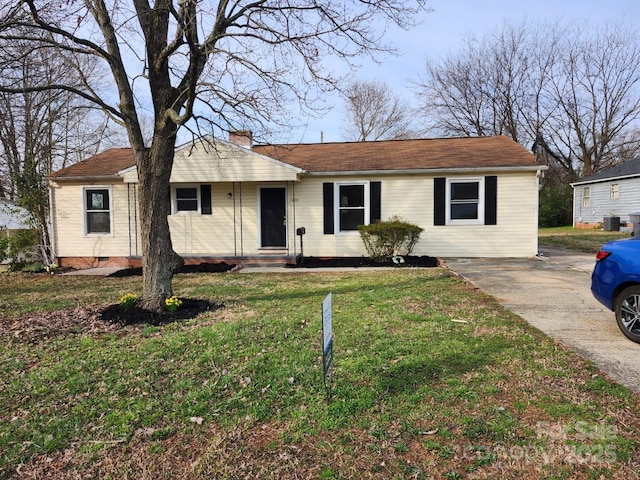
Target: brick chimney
x=242 y=138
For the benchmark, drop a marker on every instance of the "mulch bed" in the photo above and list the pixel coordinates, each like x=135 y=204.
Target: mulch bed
x=220 y=267
x=354 y=262
x=190 y=308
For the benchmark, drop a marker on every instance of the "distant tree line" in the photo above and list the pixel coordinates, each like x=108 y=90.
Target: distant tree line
x=570 y=92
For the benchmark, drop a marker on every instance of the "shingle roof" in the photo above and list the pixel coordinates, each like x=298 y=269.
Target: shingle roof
x=105 y=164
x=403 y=154
x=389 y=155
x=630 y=168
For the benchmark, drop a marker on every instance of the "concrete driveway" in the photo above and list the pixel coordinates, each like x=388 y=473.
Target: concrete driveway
x=552 y=293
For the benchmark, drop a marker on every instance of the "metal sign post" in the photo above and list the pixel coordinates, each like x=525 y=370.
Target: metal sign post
x=327 y=346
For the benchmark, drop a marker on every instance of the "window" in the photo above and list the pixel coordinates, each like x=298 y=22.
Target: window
x=465 y=201
x=97 y=210
x=186 y=199
x=615 y=191
x=586 y=196
x=191 y=199
x=347 y=205
x=352 y=207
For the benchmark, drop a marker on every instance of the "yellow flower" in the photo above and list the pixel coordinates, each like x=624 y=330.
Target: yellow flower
x=173 y=303
x=128 y=300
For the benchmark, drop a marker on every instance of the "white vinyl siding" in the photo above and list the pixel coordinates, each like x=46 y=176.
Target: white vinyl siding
x=227 y=163
x=68 y=215
x=232 y=228
x=602 y=205
x=411 y=198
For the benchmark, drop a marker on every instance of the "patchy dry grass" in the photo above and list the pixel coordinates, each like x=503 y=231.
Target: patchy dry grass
x=433 y=380
x=578 y=239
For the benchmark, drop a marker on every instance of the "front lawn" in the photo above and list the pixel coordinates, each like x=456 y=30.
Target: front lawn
x=578 y=239
x=433 y=379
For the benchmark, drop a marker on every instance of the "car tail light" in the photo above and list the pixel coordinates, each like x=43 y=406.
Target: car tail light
x=601 y=255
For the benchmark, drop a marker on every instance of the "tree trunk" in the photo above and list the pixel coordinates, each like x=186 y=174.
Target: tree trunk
x=159 y=261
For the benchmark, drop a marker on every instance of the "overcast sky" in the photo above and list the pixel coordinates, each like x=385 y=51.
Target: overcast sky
x=442 y=31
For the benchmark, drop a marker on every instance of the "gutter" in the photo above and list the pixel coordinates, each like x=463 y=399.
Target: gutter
x=85 y=178
x=608 y=179
x=435 y=171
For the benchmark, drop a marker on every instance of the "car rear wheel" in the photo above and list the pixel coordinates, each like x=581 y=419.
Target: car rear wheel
x=627 y=308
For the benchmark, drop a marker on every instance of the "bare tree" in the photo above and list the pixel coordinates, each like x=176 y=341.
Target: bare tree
x=482 y=90
x=595 y=88
x=374 y=112
x=41 y=131
x=242 y=60
x=571 y=89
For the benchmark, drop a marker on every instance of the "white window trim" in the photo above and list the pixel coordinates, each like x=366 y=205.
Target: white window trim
x=174 y=200
x=84 y=211
x=336 y=206
x=614 y=191
x=477 y=221
x=586 y=196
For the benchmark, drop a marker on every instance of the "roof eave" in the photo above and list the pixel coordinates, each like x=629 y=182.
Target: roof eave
x=85 y=178
x=607 y=179
x=433 y=171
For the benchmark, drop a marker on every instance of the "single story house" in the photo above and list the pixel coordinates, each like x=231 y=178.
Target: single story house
x=231 y=200
x=614 y=192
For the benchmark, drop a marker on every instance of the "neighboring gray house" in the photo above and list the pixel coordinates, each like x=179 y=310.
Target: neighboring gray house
x=13 y=217
x=613 y=192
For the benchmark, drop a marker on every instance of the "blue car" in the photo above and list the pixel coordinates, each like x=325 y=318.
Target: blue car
x=615 y=282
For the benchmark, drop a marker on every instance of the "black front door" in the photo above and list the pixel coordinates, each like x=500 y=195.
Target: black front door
x=273 y=217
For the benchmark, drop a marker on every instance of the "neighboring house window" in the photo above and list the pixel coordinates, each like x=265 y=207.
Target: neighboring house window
x=97 y=210
x=615 y=191
x=586 y=196
x=347 y=205
x=465 y=201
x=192 y=199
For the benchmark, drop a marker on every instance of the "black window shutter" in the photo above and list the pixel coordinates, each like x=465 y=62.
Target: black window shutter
x=375 y=207
x=327 y=201
x=490 y=200
x=205 y=199
x=439 y=200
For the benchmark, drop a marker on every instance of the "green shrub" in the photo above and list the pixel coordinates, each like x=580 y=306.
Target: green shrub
x=18 y=246
x=556 y=206
x=384 y=240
